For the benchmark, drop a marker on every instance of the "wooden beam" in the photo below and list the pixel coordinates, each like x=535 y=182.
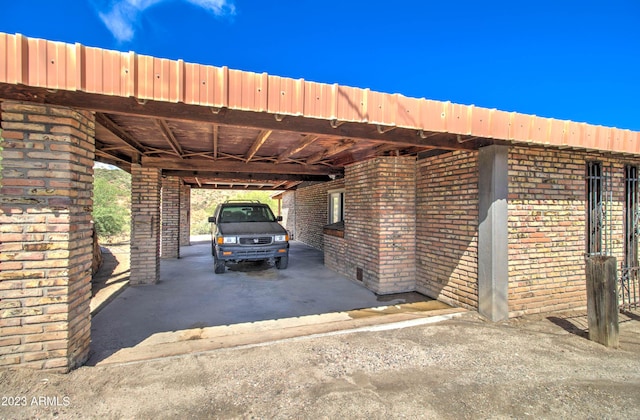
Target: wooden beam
x=239 y=167
x=276 y=178
x=262 y=137
x=237 y=118
x=169 y=136
x=120 y=134
x=215 y=141
x=297 y=147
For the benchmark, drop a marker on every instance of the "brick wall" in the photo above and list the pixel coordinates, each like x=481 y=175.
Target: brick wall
x=547 y=226
x=145 y=225
x=311 y=212
x=45 y=235
x=336 y=257
x=380 y=216
x=447 y=228
x=170 y=217
x=185 y=215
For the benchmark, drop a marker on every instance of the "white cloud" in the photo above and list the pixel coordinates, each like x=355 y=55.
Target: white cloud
x=123 y=16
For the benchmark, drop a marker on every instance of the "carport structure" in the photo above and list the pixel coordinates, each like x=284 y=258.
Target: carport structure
x=426 y=183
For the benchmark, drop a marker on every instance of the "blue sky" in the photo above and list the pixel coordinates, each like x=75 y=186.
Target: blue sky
x=568 y=59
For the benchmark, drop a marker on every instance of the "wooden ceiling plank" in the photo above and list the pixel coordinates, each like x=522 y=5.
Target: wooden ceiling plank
x=215 y=135
x=120 y=134
x=260 y=140
x=297 y=147
x=170 y=137
x=331 y=151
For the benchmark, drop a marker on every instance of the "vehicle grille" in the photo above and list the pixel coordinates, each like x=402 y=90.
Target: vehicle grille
x=256 y=240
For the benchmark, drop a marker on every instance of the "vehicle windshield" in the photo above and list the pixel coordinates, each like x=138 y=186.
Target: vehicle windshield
x=246 y=213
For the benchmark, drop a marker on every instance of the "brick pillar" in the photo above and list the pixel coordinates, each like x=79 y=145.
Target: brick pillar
x=170 y=232
x=145 y=225
x=185 y=215
x=45 y=235
x=380 y=223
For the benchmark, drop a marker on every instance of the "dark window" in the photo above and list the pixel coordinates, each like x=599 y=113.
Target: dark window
x=631 y=216
x=595 y=210
x=246 y=213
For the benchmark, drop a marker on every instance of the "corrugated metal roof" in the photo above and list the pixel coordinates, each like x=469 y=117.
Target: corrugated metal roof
x=74 y=67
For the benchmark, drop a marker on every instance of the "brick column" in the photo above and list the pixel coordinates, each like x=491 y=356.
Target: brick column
x=380 y=223
x=45 y=235
x=145 y=225
x=170 y=232
x=185 y=215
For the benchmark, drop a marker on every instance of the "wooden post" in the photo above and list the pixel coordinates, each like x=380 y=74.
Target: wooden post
x=602 y=300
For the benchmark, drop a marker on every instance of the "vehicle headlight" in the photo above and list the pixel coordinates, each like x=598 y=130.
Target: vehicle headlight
x=281 y=238
x=227 y=240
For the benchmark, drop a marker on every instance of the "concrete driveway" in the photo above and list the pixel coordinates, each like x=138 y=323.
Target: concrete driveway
x=190 y=298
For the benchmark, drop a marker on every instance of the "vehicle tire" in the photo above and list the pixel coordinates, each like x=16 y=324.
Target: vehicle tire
x=218 y=266
x=282 y=262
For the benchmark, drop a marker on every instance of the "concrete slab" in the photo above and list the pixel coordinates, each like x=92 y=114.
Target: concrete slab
x=190 y=299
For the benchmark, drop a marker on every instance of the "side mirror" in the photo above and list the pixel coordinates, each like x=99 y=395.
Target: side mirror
x=279 y=218
x=212 y=219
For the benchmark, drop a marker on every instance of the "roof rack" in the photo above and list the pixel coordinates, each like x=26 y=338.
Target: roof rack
x=243 y=201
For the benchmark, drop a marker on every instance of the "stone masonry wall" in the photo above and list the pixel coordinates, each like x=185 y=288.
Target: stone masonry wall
x=380 y=223
x=170 y=202
x=145 y=225
x=447 y=228
x=45 y=235
x=547 y=226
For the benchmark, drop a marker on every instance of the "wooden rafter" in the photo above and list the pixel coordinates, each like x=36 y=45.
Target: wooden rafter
x=116 y=158
x=297 y=147
x=169 y=136
x=331 y=151
x=120 y=134
x=262 y=137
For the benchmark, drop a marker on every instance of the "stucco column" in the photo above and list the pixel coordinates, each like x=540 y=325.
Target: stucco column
x=170 y=232
x=145 y=225
x=185 y=215
x=493 y=263
x=45 y=235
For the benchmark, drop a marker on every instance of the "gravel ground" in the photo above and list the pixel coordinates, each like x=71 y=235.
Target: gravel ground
x=532 y=367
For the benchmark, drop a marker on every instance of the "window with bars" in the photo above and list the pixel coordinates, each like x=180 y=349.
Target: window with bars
x=631 y=216
x=595 y=211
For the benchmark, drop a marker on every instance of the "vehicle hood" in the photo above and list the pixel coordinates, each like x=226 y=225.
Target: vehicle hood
x=252 y=228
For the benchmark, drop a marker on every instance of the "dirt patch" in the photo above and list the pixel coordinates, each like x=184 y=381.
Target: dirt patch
x=112 y=277
x=531 y=367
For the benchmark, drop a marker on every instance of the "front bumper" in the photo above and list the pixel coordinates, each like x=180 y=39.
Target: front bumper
x=251 y=253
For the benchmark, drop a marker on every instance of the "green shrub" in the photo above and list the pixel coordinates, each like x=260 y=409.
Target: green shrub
x=111 y=196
